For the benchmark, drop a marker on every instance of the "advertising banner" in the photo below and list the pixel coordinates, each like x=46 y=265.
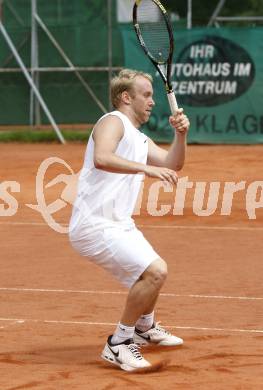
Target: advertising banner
x=218 y=79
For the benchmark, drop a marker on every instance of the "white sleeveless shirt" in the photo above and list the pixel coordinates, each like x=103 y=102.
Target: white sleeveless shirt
x=108 y=199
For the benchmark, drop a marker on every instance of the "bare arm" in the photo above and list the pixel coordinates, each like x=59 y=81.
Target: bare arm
x=173 y=158
x=106 y=135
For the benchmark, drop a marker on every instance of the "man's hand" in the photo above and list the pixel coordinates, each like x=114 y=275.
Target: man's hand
x=165 y=174
x=180 y=122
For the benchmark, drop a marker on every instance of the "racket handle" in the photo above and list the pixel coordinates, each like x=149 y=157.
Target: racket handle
x=172 y=102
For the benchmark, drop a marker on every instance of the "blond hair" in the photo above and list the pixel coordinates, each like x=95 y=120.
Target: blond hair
x=124 y=82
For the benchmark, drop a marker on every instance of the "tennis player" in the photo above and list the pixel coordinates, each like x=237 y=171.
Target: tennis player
x=118 y=156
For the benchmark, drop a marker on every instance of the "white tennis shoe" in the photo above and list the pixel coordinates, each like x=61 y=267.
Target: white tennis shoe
x=156 y=336
x=125 y=355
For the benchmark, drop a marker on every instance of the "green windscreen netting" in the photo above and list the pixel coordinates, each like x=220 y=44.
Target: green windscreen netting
x=81 y=29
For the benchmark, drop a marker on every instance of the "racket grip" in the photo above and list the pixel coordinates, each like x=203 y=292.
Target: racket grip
x=172 y=102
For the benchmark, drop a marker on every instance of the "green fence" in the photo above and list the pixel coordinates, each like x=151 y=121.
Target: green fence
x=81 y=28
x=217 y=73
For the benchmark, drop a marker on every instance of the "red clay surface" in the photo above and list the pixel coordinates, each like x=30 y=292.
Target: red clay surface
x=58 y=309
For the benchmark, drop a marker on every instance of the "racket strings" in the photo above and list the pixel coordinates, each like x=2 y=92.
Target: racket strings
x=154 y=31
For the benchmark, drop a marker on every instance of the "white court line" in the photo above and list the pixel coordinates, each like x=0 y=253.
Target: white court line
x=11 y=323
x=29 y=224
x=125 y=293
x=24 y=320
x=182 y=227
x=201 y=227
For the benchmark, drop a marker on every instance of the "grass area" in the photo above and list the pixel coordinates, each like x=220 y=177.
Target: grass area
x=31 y=136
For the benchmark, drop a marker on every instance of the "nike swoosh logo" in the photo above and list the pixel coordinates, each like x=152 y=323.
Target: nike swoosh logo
x=116 y=354
x=147 y=337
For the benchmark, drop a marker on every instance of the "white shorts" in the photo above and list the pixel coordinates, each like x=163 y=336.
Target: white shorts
x=125 y=253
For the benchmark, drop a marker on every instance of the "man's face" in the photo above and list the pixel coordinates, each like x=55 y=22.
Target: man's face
x=142 y=99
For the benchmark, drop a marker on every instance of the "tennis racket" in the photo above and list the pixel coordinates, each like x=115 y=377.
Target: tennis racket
x=155 y=34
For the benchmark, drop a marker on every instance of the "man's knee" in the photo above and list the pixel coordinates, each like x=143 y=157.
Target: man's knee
x=156 y=273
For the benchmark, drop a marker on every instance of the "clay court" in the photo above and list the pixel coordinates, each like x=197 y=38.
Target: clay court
x=57 y=309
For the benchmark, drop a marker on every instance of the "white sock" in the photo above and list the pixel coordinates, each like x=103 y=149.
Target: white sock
x=122 y=333
x=145 y=322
